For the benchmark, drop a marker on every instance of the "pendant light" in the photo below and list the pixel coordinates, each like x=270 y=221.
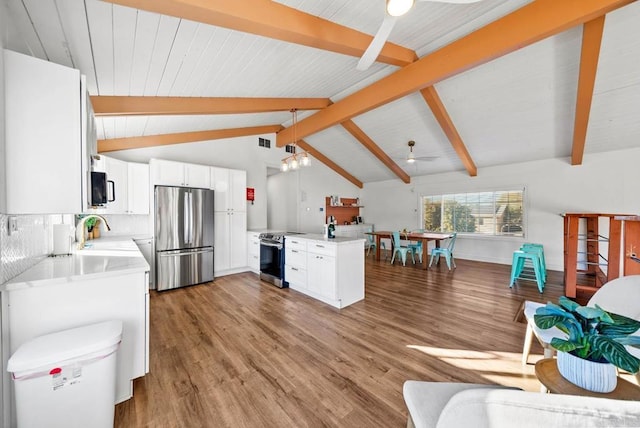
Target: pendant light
x=295 y=160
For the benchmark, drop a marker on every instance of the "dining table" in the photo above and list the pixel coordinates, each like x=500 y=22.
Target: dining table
x=425 y=237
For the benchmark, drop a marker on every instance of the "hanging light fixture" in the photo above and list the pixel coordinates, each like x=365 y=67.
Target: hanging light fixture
x=295 y=160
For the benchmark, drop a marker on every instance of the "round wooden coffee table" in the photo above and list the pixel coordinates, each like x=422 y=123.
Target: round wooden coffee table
x=548 y=374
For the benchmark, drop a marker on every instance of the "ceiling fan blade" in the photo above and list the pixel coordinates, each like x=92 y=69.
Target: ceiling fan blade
x=454 y=1
x=377 y=43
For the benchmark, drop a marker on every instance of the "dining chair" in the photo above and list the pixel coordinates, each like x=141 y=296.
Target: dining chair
x=447 y=252
x=416 y=248
x=397 y=248
x=371 y=242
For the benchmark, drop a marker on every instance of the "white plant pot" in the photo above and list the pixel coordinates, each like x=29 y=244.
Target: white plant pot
x=592 y=376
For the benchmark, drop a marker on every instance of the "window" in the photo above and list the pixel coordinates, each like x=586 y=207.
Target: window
x=487 y=213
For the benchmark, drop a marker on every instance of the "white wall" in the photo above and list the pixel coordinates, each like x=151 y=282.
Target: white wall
x=288 y=190
x=605 y=183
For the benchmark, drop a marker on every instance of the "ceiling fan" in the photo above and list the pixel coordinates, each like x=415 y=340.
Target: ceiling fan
x=412 y=158
x=394 y=9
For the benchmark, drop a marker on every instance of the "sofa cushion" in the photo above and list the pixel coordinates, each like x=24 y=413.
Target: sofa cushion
x=501 y=408
x=425 y=400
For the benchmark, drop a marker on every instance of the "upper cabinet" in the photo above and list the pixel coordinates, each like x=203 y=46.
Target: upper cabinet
x=230 y=186
x=170 y=173
x=128 y=187
x=50 y=137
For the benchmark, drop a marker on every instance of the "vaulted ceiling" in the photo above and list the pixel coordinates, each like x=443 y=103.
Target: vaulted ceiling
x=474 y=85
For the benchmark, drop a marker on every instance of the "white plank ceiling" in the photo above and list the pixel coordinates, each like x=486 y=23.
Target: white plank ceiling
x=517 y=108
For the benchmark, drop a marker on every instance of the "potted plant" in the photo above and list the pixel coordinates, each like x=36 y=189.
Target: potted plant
x=594 y=344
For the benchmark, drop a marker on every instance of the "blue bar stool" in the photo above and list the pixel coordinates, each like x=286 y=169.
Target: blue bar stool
x=520 y=257
x=539 y=249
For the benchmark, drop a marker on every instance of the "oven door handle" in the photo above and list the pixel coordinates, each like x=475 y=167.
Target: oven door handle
x=271 y=244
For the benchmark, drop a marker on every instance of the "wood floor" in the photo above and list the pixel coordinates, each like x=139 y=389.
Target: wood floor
x=241 y=353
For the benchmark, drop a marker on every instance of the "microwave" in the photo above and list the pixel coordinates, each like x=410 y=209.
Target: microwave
x=99 y=189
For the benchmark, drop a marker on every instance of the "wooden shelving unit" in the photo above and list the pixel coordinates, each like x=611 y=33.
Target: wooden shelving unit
x=343 y=213
x=593 y=276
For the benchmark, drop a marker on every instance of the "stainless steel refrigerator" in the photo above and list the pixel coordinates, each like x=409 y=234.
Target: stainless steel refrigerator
x=183 y=236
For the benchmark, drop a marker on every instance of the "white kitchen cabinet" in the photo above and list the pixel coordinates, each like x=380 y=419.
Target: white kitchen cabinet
x=49 y=136
x=171 y=173
x=295 y=268
x=331 y=271
x=145 y=245
x=230 y=247
x=230 y=186
x=321 y=269
x=253 y=251
x=117 y=185
x=138 y=188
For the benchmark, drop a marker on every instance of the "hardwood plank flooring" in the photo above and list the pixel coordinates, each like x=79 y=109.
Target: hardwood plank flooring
x=238 y=352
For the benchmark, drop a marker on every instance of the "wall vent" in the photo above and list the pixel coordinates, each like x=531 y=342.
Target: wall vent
x=263 y=142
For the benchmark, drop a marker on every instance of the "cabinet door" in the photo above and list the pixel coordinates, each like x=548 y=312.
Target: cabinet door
x=197 y=176
x=253 y=251
x=322 y=275
x=117 y=187
x=138 y=192
x=220 y=184
x=43 y=136
x=221 y=256
x=238 y=245
x=167 y=172
x=238 y=181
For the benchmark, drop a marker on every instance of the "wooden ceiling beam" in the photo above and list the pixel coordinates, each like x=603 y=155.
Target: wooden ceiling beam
x=440 y=112
x=277 y=21
x=591 y=41
x=329 y=163
x=146 y=106
x=529 y=24
x=114 y=144
x=364 y=139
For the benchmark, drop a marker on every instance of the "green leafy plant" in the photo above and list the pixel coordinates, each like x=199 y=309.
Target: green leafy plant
x=90 y=223
x=592 y=333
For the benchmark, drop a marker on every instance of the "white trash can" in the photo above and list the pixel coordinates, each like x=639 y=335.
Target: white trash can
x=67 y=379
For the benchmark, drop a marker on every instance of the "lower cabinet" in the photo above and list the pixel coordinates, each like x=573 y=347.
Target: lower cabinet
x=253 y=251
x=330 y=271
x=61 y=305
x=230 y=242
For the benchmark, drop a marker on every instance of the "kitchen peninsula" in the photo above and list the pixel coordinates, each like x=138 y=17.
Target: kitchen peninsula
x=106 y=281
x=330 y=270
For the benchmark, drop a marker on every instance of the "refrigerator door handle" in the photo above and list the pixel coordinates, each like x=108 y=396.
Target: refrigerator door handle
x=185 y=219
x=190 y=218
x=184 y=253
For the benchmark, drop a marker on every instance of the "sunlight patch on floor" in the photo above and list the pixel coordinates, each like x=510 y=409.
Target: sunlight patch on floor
x=504 y=368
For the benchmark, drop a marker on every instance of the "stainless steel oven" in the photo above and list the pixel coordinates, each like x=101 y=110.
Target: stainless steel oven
x=272 y=258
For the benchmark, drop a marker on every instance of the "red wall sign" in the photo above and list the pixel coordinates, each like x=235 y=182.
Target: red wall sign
x=251 y=194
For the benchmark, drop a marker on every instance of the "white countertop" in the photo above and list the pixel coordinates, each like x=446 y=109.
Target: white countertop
x=320 y=237
x=102 y=257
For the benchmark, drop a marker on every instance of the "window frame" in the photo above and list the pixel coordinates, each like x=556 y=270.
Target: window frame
x=480 y=235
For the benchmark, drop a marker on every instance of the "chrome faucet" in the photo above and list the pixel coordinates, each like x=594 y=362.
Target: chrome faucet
x=80 y=228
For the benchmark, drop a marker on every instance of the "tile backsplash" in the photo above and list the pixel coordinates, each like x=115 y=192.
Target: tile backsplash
x=25 y=247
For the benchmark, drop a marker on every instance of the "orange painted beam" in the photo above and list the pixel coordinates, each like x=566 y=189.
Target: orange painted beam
x=364 y=139
x=146 y=106
x=440 y=112
x=277 y=21
x=113 y=144
x=328 y=162
x=591 y=40
x=529 y=24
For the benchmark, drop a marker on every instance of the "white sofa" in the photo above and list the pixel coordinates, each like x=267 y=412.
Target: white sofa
x=455 y=405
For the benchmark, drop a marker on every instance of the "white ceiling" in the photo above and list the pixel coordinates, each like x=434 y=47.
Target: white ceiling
x=517 y=108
